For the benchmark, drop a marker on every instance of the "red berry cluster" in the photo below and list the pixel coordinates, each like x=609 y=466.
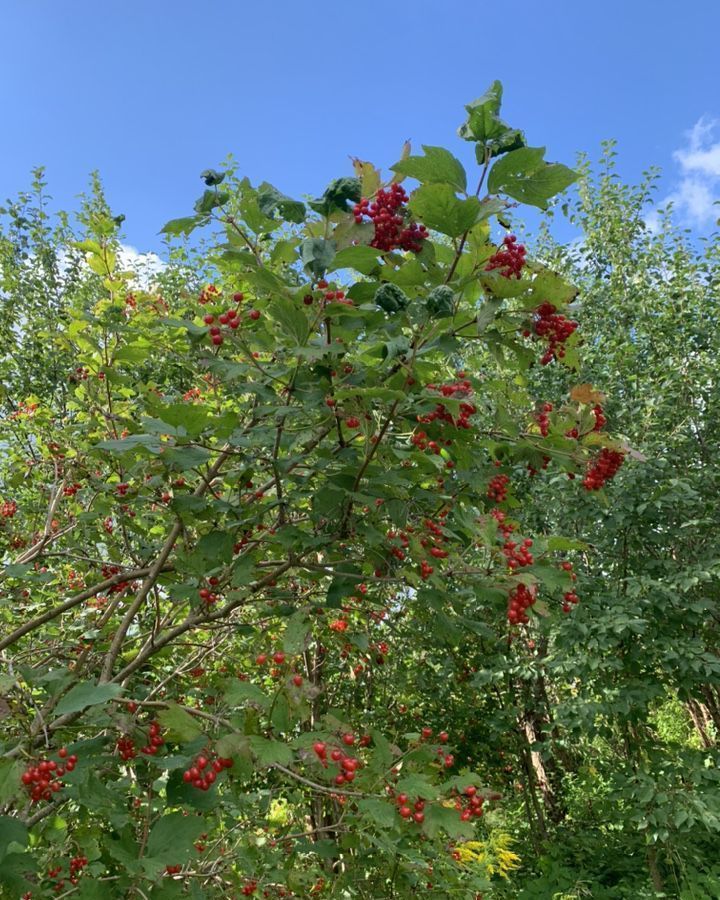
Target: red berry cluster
x=108 y=572
x=543 y=419
x=229 y=318
x=204 y=771
x=8 y=509
x=348 y=765
x=458 y=390
x=207 y=595
x=415 y=813
x=42 y=779
x=520 y=599
x=126 y=745
x=509 y=260
x=473 y=801
x=77 y=864
x=555 y=328
x=80 y=374
x=209 y=294
x=569 y=598
x=126 y=748
x=518 y=555
x=498 y=488
x=388 y=216
x=173 y=870
x=71 y=489
x=506 y=528
x=249 y=889
x=600 y=420
x=602 y=469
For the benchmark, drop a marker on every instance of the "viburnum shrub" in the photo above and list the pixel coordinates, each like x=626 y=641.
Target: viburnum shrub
x=261 y=482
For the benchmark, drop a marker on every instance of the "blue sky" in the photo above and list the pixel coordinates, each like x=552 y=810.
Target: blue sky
x=151 y=92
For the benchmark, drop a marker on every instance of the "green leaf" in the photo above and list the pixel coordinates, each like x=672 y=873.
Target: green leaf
x=336 y=196
x=317 y=255
x=379 y=812
x=525 y=176
x=361 y=258
x=437 y=166
x=173 y=836
x=239 y=693
x=447 y=819
x=184 y=225
x=212 y=177
x=485 y=126
x=180 y=724
x=12 y=831
x=296 y=632
x=88 y=693
x=270 y=199
x=210 y=200
x=217 y=546
x=439 y=209
x=269 y=752
x=149 y=442
x=291 y=319
x=10 y=772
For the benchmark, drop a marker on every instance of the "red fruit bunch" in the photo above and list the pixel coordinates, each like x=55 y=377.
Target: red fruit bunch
x=498 y=488
x=8 y=509
x=204 y=771
x=518 y=555
x=209 y=294
x=229 y=319
x=543 y=418
x=43 y=778
x=600 y=420
x=473 y=804
x=414 y=813
x=504 y=526
x=388 y=215
x=602 y=469
x=458 y=390
x=520 y=599
x=553 y=327
x=510 y=259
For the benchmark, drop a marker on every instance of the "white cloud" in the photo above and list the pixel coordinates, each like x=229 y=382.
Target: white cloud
x=697 y=192
x=145 y=265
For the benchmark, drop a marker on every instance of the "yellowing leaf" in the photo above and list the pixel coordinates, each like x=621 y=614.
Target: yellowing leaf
x=586 y=393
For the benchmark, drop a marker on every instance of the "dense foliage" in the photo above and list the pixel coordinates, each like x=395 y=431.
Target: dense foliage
x=312 y=581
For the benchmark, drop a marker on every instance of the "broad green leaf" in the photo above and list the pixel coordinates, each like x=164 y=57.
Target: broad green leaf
x=447 y=819
x=173 y=836
x=12 y=831
x=238 y=693
x=185 y=225
x=270 y=199
x=296 y=631
x=10 y=785
x=361 y=258
x=88 y=693
x=317 y=255
x=380 y=812
x=437 y=166
x=437 y=206
x=485 y=126
x=291 y=319
x=269 y=752
x=525 y=176
x=179 y=723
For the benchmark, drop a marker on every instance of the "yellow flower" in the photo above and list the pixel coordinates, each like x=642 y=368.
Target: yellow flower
x=493 y=855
